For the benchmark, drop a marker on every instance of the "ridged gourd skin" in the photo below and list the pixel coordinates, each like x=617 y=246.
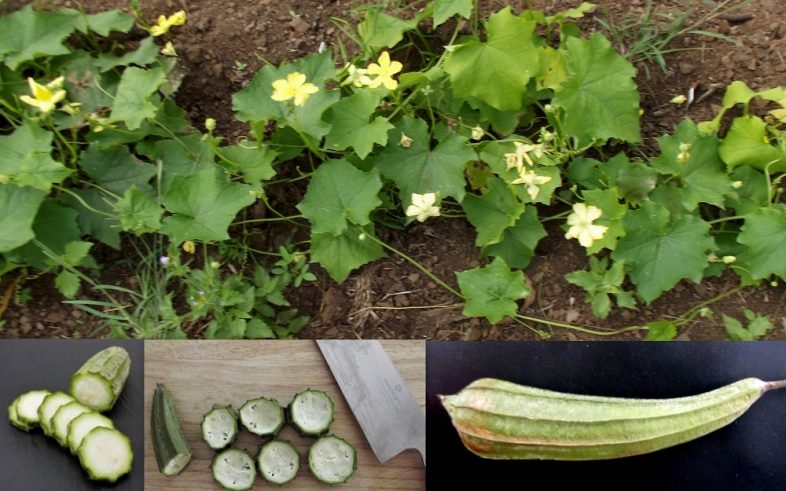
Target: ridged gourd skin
x=497 y=419
x=108 y=368
x=173 y=452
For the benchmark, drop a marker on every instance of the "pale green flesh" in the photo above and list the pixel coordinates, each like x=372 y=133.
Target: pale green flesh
x=262 y=416
x=500 y=420
x=84 y=424
x=106 y=454
x=173 y=453
x=99 y=382
x=13 y=418
x=234 y=469
x=278 y=462
x=331 y=460
x=49 y=407
x=312 y=412
x=27 y=406
x=219 y=428
x=63 y=418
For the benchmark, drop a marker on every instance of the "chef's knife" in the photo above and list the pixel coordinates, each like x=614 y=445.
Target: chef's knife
x=390 y=417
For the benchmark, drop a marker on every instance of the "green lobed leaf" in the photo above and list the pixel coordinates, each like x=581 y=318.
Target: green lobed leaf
x=26 y=158
x=350 y=125
x=753 y=194
x=758 y=326
x=28 y=35
x=380 y=30
x=600 y=283
x=747 y=143
x=492 y=291
x=116 y=169
x=144 y=55
x=494 y=155
x=764 y=234
x=85 y=84
x=67 y=283
x=255 y=163
x=186 y=156
x=132 y=101
x=55 y=226
x=492 y=213
x=138 y=213
x=340 y=195
x=445 y=9
x=421 y=169
x=202 y=207
x=97 y=225
x=661 y=330
x=19 y=208
x=340 y=254
x=111 y=20
x=519 y=241
x=497 y=71
x=660 y=251
x=599 y=98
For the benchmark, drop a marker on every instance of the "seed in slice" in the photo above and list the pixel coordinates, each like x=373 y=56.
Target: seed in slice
x=234 y=469
x=106 y=454
x=219 y=427
x=278 y=461
x=332 y=460
x=49 y=407
x=84 y=424
x=311 y=411
x=262 y=416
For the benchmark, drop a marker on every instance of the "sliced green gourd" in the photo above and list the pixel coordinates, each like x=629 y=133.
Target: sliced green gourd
x=99 y=382
x=278 y=461
x=332 y=460
x=84 y=424
x=106 y=454
x=173 y=453
x=63 y=418
x=219 y=427
x=49 y=407
x=262 y=416
x=234 y=469
x=311 y=411
x=27 y=406
x=13 y=418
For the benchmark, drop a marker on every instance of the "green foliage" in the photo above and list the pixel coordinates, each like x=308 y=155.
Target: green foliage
x=445 y=9
x=492 y=291
x=600 y=283
x=350 y=126
x=662 y=330
x=758 y=326
x=764 y=234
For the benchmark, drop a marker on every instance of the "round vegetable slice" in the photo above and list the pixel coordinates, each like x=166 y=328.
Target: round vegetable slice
x=84 y=424
x=332 y=460
x=234 y=469
x=49 y=407
x=63 y=418
x=278 y=461
x=13 y=418
x=173 y=453
x=106 y=454
x=27 y=406
x=98 y=383
x=262 y=416
x=311 y=411
x=219 y=427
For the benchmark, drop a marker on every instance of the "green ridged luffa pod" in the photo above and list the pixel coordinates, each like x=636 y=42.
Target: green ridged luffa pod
x=99 y=382
x=502 y=420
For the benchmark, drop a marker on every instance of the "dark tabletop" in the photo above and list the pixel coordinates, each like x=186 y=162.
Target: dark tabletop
x=749 y=454
x=34 y=462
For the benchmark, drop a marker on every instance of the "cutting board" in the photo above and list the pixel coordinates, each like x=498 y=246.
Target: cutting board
x=200 y=374
x=33 y=461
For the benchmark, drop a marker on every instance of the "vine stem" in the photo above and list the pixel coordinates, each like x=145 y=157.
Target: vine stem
x=574 y=327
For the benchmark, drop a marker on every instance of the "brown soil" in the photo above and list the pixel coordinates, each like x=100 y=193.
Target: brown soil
x=224 y=43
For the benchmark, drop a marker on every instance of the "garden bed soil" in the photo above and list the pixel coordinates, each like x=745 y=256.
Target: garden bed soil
x=224 y=43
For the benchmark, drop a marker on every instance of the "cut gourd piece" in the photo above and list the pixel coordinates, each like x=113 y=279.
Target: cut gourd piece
x=49 y=407
x=332 y=460
x=84 y=424
x=278 y=461
x=27 y=406
x=106 y=454
x=13 y=418
x=234 y=469
x=63 y=418
x=311 y=411
x=219 y=427
x=173 y=453
x=262 y=416
x=99 y=382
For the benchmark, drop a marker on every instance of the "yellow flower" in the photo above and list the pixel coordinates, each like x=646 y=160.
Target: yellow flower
x=189 y=247
x=384 y=69
x=169 y=49
x=45 y=97
x=422 y=206
x=163 y=23
x=531 y=180
x=293 y=87
x=517 y=158
x=405 y=141
x=356 y=76
x=477 y=133
x=678 y=99
x=581 y=226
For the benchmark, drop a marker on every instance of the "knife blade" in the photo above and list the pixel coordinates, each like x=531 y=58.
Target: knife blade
x=389 y=416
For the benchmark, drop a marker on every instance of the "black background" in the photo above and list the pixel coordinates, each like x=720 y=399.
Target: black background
x=749 y=454
x=34 y=462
